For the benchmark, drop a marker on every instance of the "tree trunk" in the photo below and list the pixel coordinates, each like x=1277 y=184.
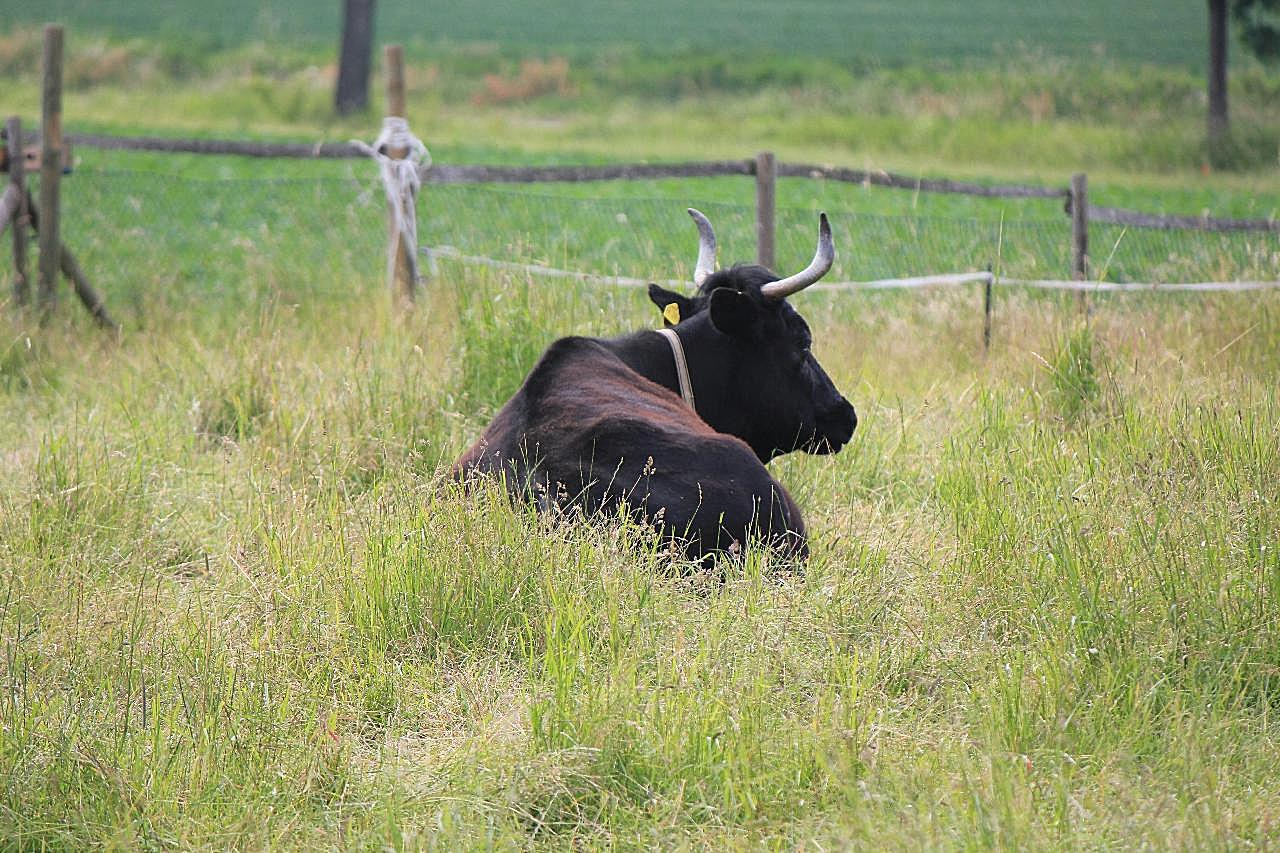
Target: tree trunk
x=1218 y=122
x=353 y=65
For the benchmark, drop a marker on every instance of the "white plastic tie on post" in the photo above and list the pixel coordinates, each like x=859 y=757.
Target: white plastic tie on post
x=401 y=180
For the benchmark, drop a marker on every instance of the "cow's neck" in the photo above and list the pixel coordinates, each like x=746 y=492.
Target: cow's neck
x=649 y=354
x=682 y=366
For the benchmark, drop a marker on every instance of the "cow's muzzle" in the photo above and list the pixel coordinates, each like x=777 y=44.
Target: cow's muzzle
x=835 y=428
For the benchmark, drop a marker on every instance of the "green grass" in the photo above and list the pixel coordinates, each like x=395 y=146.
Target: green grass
x=1026 y=119
x=217 y=235
x=1031 y=113
x=240 y=607
x=860 y=34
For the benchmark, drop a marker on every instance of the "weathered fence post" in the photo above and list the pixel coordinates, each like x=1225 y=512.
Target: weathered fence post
x=50 y=169
x=393 y=56
x=986 y=311
x=402 y=272
x=1080 y=235
x=352 y=92
x=9 y=203
x=1219 y=39
x=766 y=201
x=17 y=181
x=71 y=269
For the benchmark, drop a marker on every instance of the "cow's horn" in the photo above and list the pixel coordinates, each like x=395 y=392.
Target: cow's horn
x=822 y=260
x=706 y=248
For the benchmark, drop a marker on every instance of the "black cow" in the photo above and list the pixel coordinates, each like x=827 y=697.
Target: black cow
x=601 y=423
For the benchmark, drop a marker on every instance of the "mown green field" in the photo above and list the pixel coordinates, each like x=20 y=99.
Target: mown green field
x=1024 y=116
x=241 y=607
x=164 y=239
x=857 y=33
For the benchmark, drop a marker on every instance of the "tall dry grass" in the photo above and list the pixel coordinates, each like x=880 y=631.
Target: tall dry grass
x=241 y=608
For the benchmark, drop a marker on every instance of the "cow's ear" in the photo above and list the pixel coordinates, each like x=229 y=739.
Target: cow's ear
x=733 y=312
x=664 y=299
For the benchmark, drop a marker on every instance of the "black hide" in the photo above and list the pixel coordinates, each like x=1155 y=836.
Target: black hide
x=599 y=423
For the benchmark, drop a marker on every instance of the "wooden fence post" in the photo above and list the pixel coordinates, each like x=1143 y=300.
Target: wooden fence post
x=17 y=180
x=1080 y=235
x=352 y=93
x=9 y=204
x=986 y=311
x=402 y=267
x=393 y=56
x=766 y=200
x=50 y=169
x=71 y=269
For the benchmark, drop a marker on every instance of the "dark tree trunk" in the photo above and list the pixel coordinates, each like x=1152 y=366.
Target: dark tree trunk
x=1218 y=122
x=353 y=65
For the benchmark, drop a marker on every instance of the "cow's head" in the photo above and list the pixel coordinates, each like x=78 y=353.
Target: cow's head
x=754 y=374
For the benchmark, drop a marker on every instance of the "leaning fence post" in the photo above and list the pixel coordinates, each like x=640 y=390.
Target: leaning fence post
x=766 y=200
x=17 y=180
x=1080 y=235
x=80 y=283
x=402 y=272
x=50 y=168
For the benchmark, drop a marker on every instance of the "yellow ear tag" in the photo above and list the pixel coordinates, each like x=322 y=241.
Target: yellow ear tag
x=671 y=313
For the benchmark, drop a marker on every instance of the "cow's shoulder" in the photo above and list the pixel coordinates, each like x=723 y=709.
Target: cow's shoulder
x=506 y=435
x=576 y=361
x=577 y=385
x=583 y=378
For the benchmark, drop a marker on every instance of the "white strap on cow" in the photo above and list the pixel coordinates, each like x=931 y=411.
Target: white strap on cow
x=682 y=366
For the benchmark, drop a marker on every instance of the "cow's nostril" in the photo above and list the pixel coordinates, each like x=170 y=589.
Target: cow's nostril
x=839 y=420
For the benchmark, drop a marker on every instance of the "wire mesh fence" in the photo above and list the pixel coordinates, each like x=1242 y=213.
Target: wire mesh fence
x=163 y=235
x=651 y=237
x=149 y=236
x=1171 y=255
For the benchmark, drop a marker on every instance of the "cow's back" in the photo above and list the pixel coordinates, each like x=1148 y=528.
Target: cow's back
x=586 y=430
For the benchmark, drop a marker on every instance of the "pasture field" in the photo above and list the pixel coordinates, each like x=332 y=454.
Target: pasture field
x=216 y=235
x=1030 y=110
x=242 y=608
x=854 y=33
